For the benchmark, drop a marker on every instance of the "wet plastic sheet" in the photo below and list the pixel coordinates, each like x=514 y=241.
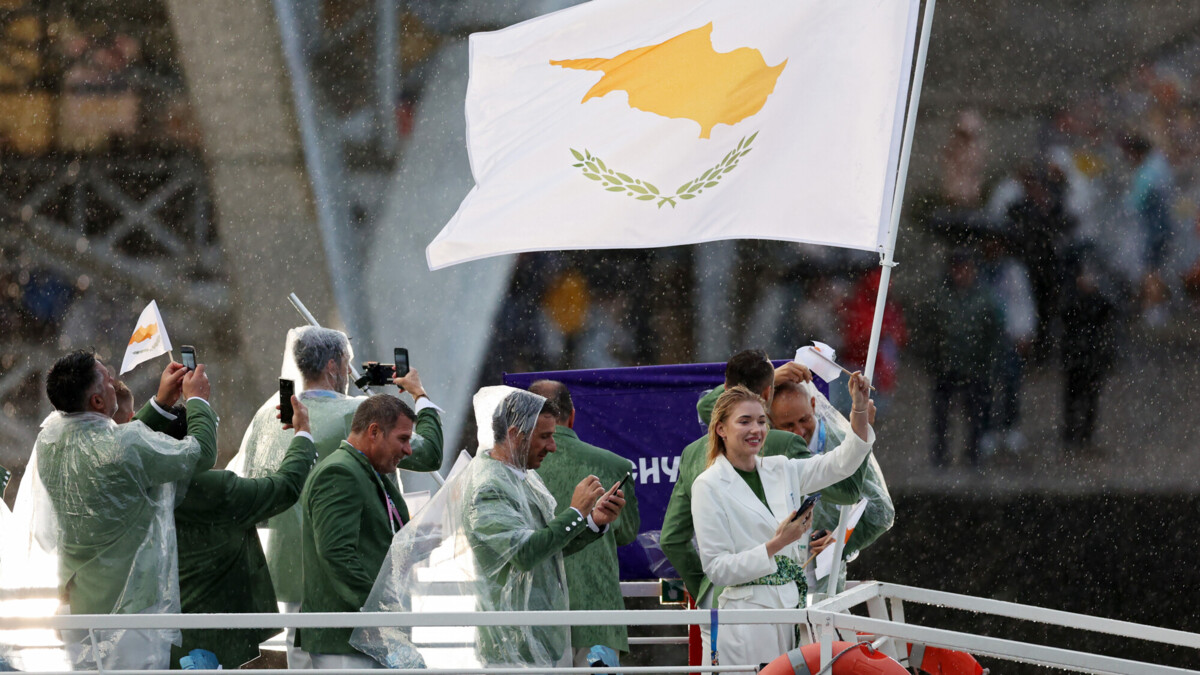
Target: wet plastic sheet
x=880 y=513
x=458 y=554
x=94 y=519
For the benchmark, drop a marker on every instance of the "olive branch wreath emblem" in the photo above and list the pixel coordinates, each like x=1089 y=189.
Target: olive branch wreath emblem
x=593 y=168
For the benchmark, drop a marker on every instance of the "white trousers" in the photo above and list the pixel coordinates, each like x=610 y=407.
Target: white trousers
x=296 y=658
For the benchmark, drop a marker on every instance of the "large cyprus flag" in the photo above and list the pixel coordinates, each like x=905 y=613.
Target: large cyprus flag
x=630 y=124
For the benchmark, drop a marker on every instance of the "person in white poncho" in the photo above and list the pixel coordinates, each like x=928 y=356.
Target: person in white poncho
x=514 y=545
x=98 y=501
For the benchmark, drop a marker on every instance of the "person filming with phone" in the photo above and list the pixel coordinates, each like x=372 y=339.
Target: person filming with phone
x=751 y=516
x=322 y=357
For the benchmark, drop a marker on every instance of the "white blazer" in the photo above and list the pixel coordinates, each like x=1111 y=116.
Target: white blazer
x=733 y=526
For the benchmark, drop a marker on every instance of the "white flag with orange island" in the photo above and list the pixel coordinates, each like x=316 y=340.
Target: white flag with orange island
x=632 y=124
x=149 y=339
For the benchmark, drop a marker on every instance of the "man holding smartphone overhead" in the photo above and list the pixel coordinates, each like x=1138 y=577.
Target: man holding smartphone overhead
x=320 y=359
x=593 y=575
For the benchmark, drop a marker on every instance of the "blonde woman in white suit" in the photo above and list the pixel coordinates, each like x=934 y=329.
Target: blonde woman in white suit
x=743 y=505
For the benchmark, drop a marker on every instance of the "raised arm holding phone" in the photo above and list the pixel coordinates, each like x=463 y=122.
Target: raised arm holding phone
x=751 y=516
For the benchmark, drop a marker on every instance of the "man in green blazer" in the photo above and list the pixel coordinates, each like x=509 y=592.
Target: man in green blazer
x=222 y=568
x=111 y=490
x=322 y=356
x=351 y=511
x=593 y=575
x=753 y=370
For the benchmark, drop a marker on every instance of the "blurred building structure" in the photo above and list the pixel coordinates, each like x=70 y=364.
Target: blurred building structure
x=217 y=155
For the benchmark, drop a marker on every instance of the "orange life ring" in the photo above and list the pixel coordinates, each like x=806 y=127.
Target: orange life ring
x=852 y=659
x=938 y=661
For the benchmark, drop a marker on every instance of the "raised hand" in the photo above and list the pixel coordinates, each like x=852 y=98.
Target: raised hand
x=170 y=385
x=195 y=383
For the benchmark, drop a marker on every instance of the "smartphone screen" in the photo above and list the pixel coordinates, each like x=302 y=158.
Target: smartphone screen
x=401 y=356
x=188 y=355
x=286 y=389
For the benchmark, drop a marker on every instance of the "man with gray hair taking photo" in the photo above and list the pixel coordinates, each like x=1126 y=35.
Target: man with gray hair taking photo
x=320 y=359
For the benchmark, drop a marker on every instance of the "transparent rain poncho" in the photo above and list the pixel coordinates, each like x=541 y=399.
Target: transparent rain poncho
x=95 y=520
x=262 y=450
x=463 y=552
x=880 y=514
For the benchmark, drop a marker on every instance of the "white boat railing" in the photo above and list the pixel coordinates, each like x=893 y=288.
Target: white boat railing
x=884 y=626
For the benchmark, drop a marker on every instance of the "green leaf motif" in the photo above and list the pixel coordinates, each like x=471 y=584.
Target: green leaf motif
x=594 y=168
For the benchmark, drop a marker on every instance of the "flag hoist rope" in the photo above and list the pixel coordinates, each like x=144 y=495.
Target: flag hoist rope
x=887 y=261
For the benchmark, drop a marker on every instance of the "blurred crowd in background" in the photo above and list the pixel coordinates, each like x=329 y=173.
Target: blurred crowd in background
x=1047 y=262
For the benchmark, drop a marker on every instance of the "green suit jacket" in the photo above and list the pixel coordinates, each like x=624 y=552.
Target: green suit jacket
x=330 y=421
x=221 y=563
x=593 y=575
x=345 y=538
x=678 y=530
x=97 y=551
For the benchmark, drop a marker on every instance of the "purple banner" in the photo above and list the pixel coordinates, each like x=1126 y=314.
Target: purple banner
x=648 y=415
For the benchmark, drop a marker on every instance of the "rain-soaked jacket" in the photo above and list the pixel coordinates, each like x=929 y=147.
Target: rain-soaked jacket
x=880 y=513
x=330 y=414
x=489 y=534
x=99 y=499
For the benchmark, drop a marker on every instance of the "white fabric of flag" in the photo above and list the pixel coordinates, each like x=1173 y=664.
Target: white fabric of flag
x=825 y=558
x=149 y=339
x=820 y=359
x=631 y=124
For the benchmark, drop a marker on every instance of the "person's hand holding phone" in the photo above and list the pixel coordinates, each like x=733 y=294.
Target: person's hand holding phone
x=610 y=504
x=411 y=383
x=299 y=416
x=170 y=385
x=821 y=539
x=195 y=383
x=789 y=531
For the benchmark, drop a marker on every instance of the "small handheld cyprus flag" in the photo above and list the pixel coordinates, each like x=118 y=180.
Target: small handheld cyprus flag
x=821 y=359
x=149 y=339
x=629 y=124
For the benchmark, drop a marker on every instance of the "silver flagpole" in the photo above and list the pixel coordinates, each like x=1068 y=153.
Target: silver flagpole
x=888 y=262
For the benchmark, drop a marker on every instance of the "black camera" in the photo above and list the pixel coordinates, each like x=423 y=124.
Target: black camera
x=377 y=374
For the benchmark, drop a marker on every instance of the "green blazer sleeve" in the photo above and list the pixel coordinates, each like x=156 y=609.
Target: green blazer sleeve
x=149 y=416
x=161 y=458
x=426 y=453
x=4 y=477
x=222 y=497
x=705 y=405
x=676 y=537
x=493 y=523
x=629 y=523
x=336 y=503
x=584 y=540
x=202 y=425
